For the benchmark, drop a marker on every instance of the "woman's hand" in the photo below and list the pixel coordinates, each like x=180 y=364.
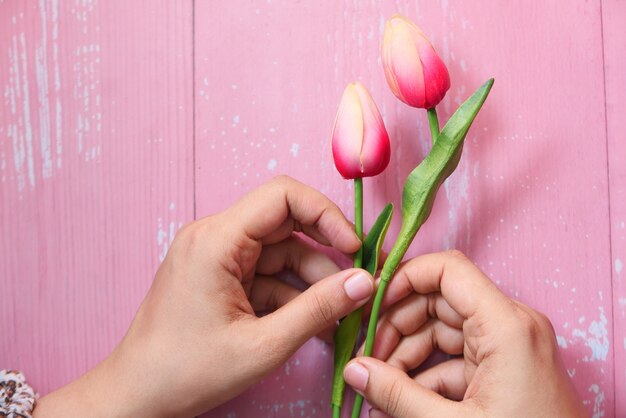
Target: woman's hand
x=196 y=341
x=510 y=366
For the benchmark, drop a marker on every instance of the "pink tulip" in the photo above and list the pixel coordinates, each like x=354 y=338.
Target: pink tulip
x=414 y=71
x=360 y=141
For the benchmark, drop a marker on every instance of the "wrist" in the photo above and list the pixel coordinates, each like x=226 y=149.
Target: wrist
x=114 y=388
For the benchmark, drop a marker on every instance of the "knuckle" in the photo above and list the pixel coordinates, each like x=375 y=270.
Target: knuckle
x=188 y=238
x=537 y=332
x=282 y=180
x=456 y=255
x=545 y=323
x=527 y=324
x=391 y=396
x=320 y=310
x=533 y=323
x=191 y=243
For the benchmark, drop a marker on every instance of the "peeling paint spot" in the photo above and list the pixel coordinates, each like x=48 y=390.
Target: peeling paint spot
x=295 y=148
x=596 y=337
x=598 y=402
x=618 y=265
x=86 y=88
x=166 y=231
x=271 y=165
x=561 y=341
x=41 y=72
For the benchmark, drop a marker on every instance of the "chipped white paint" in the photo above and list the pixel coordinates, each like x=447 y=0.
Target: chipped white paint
x=561 y=341
x=295 y=148
x=27 y=123
x=598 y=401
x=86 y=87
x=41 y=72
x=595 y=337
x=618 y=265
x=166 y=231
x=271 y=165
x=19 y=129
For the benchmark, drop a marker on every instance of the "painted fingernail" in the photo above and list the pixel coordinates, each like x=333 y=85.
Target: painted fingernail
x=356 y=376
x=359 y=286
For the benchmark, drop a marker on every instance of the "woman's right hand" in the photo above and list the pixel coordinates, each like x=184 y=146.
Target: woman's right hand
x=510 y=366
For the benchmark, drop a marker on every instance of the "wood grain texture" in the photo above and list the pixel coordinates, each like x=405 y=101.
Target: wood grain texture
x=613 y=14
x=95 y=172
x=97 y=161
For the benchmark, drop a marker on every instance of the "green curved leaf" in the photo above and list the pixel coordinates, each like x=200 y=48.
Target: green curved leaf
x=346 y=334
x=424 y=181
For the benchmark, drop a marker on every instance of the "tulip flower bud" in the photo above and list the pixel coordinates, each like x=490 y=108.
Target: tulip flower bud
x=360 y=141
x=414 y=71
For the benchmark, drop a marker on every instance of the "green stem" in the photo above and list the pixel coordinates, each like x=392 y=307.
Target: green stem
x=358 y=219
x=336 y=411
x=358 y=257
x=371 y=336
x=433 y=121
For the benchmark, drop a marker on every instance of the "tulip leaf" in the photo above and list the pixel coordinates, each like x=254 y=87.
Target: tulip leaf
x=424 y=181
x=374 y=240
x=346 y=334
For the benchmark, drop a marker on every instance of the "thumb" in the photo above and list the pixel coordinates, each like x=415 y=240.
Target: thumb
x=392 y=391
x=319 y=307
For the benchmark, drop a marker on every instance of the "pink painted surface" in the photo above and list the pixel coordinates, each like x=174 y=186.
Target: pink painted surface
x=95 y=173
x=613 y=12
x=97 y=170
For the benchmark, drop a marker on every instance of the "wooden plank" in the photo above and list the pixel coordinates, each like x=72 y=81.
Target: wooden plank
x=613 y=14
x=95 y=172
x=529 y=201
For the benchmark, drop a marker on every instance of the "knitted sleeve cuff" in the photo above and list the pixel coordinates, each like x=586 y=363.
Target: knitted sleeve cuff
x=17 y=398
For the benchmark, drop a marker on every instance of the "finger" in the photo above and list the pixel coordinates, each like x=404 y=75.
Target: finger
x=275 y=210
x=412 y=350
x=319 y=307
x=296 y=255
x=377 y=413
x=394 y=393
x=447 y=379
x=465 y=288
x=407 y=316
x=269 y=294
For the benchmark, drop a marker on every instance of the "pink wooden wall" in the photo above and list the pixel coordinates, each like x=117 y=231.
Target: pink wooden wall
x=121 y=120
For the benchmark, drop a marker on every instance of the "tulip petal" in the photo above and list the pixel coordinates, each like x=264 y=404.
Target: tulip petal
x=406 y=64
x=375 y=149
x=386 y=54
x=436 y=73
x=348 y=134
x=414 y=71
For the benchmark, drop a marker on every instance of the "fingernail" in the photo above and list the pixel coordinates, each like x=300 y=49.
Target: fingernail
x=359 y=286
x=356 y=376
